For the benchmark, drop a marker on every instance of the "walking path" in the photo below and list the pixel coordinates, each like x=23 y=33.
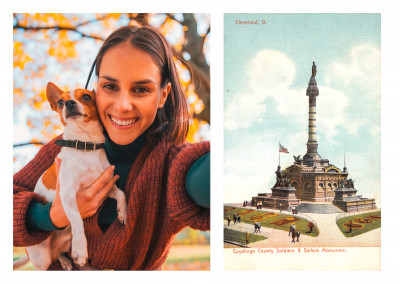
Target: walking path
x=330 y=235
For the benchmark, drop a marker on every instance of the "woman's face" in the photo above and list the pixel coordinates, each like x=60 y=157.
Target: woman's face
x=128 y=92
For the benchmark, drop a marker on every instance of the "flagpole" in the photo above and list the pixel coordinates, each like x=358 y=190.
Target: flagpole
x=279 y=150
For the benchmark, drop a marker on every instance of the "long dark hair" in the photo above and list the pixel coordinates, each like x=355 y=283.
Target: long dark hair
x=172 y=119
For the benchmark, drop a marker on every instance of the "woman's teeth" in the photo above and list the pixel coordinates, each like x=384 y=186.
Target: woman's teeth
x=123 y=122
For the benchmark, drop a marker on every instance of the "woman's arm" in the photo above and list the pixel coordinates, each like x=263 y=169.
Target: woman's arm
x=198 y=181
x=23 y=185
x=182 y=207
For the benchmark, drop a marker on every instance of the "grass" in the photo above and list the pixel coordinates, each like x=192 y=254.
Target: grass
x=250 y=216
x=366 y=227
x=19 y=252
x=240 y=237
x=180 y=257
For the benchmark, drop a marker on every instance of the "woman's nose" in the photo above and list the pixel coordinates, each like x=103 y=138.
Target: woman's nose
x=123 y=102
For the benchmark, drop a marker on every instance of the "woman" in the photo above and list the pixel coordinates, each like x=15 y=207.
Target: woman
x=144 y=113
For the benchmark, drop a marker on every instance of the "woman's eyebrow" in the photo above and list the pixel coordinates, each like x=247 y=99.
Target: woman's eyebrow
x=144 y=81
x=108 y=78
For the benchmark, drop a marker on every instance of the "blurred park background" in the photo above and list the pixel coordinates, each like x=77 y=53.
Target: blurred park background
x=60 y=48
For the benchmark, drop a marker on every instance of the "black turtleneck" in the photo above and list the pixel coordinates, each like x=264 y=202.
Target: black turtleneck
x=122 y=157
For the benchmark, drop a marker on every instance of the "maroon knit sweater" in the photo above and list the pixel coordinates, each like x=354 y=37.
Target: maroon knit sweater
x=158 y=208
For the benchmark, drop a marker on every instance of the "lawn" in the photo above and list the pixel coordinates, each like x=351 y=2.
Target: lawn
x=271 y=219
x=361 y=223
x=180 y=257
x=240 y=237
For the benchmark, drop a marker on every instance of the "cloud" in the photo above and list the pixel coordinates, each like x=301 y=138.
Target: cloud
x=361 y=69
x=270 y=72
x=331 y=112
x=359 y=76
x=246 y=165
x=271 y=69
x=270 y=76
x=243 y=110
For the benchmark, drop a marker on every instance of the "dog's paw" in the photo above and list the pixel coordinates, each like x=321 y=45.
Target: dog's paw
x=121 y=209
x=79 y=252
x=66 y=263
x=80 y=259
x=122 y=215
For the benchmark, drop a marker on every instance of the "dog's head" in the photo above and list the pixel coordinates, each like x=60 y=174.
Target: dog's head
x=73 y=107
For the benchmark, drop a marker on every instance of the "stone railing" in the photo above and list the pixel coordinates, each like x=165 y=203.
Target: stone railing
x=340 y=216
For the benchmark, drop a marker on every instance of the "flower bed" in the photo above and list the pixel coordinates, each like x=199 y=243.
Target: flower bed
x=262 y=216
x=375 y=217
x=245 y=212
x=268 y=220
x=353 y=225
x=285 y=221
x=363 y=220
x=360 y=223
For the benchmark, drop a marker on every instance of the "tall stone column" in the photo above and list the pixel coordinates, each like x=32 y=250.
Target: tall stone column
x=312 y=93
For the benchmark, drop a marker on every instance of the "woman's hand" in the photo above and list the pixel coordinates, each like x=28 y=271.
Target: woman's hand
x=88 y=199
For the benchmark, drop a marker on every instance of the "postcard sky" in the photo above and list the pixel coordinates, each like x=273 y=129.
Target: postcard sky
x=267 y=68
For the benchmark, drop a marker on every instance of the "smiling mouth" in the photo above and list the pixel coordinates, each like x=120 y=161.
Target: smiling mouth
x=123 y=122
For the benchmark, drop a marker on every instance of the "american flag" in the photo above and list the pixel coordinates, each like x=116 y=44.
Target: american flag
x=283 y=149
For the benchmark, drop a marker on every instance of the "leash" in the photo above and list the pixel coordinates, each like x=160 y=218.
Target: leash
x=90 y=74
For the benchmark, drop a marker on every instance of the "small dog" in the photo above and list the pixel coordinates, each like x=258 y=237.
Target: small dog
x=83 y=160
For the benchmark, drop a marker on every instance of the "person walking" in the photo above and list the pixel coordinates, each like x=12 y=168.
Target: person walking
x=238 y=219
x=294 y=236
x=229 y=220
x=290 y=229
x=310 y=226
x=234 y=219
x=298 y=235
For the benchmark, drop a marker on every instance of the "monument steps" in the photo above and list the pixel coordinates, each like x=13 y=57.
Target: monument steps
x=319 y=208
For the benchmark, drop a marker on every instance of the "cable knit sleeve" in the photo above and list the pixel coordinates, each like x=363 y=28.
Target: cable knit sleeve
x=180 y=206
x=23 y=185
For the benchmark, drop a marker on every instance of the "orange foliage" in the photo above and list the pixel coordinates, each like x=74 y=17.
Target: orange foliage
x=20 y=57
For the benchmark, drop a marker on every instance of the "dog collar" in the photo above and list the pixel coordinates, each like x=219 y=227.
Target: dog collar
x=79 y=145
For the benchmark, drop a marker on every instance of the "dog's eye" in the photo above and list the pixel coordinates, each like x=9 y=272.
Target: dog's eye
x=60 y=103
x=87 y=97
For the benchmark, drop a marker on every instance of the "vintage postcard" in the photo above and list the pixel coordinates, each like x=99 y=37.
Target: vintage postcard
x=302 y=152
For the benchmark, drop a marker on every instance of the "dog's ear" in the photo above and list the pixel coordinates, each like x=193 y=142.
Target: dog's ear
x=94 y=92
x=53 y=94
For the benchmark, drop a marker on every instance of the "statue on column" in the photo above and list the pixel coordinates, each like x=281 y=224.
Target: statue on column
x=314 y=69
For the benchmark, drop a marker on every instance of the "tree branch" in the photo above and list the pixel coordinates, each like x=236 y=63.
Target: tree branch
x=58 y=28
x=28 y=143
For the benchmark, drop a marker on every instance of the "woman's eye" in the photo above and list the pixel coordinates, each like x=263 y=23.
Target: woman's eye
x=60 y=103
x=110 y=87
x=140 y=90
x=87 y=97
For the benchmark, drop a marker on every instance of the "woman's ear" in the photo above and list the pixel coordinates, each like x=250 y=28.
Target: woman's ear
x=164 y=94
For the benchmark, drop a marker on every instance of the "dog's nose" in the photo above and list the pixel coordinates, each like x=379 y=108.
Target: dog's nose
x=70 y=103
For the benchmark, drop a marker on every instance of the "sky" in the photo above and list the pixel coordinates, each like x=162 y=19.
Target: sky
x=267 y=68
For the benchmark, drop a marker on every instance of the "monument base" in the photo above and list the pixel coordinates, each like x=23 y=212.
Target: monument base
x=281 y=198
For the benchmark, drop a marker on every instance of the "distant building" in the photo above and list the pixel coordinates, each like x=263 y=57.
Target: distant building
x=312 y=178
